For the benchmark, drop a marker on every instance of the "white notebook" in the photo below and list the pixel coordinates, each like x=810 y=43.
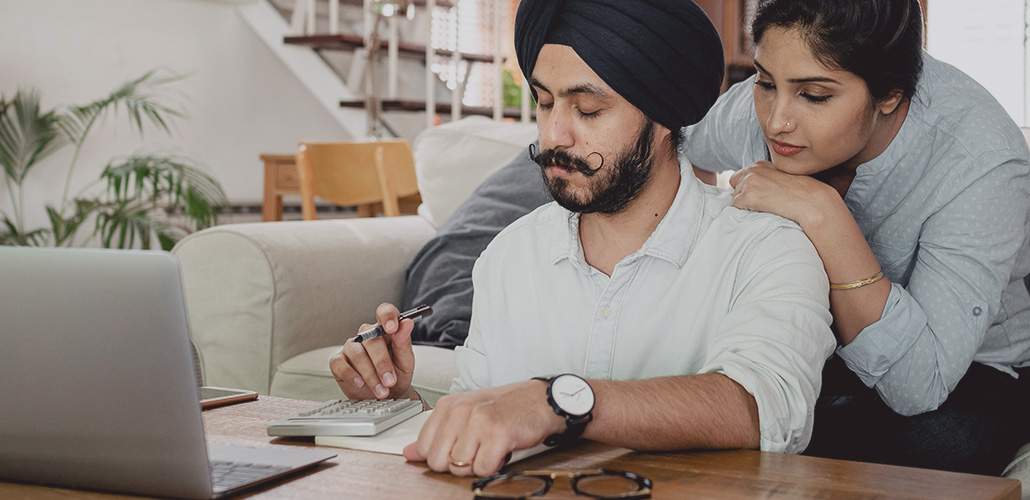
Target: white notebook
x=393 y=440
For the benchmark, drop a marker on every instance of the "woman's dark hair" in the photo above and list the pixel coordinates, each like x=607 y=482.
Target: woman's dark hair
x=881 y=41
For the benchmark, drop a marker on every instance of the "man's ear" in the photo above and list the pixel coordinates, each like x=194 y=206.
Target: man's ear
x=663 y=133
x=663 y=139
x=889 y=104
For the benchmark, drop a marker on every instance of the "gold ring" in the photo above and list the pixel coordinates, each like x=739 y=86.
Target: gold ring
x=459 y=463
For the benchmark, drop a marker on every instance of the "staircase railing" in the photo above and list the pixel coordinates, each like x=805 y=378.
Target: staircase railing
x=303 y=23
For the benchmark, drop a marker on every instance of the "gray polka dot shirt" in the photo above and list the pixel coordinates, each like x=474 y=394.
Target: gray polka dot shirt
x=945 y=210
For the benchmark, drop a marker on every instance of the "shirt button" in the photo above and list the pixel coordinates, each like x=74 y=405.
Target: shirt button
x=977 y=311
x=605 y=312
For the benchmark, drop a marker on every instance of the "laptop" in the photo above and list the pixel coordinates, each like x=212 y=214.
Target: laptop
x=97 y=387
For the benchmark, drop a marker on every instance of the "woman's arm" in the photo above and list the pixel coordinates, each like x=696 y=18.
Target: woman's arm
x=847 y=258
x=931 y=329
x=913 y=343
x=820 y=211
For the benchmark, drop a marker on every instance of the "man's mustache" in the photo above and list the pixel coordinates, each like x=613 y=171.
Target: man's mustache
x=558 y=157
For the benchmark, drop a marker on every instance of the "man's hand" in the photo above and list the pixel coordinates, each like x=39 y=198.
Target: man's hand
x=380 y=368
x=472 y=433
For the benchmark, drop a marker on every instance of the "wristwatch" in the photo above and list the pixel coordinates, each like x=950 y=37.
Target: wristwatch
x=571 y=398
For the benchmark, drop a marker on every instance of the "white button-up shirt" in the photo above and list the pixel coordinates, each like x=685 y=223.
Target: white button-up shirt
x=714 y=289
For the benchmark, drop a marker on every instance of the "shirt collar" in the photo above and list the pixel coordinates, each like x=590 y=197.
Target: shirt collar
x=671 y=241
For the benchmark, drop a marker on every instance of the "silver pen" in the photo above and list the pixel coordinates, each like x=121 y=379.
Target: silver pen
x=377 y=330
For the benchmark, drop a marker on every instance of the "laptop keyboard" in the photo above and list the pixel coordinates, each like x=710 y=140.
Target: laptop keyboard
x=226 y=476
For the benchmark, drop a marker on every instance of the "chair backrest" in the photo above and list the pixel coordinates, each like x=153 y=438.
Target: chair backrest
x=356 y=174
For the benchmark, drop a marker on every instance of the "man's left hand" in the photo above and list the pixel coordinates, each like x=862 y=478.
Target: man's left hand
x=472 y=433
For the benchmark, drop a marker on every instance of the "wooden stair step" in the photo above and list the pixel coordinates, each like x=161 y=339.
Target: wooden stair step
x=443 y=108
x=351 y=42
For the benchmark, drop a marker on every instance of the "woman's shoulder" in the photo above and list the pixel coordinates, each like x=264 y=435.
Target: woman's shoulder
x=963 y=116
x=736 y=106
x=729 y=136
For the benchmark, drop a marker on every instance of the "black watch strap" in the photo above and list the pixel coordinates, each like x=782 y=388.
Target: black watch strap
x=574 y=426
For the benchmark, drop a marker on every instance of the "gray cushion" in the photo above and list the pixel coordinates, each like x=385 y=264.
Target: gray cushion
x=441 y=273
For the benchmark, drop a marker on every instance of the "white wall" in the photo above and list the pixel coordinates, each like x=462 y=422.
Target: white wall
x=242 y=100
x=987 y=40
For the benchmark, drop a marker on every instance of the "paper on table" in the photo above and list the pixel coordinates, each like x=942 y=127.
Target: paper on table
x=393 y=440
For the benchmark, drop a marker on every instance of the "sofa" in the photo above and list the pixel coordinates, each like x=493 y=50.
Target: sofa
x=270 y=303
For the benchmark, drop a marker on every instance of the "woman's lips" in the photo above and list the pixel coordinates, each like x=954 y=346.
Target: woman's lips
x=784 y=149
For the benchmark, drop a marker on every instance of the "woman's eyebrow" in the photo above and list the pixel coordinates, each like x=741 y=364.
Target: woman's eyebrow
x=808 y=79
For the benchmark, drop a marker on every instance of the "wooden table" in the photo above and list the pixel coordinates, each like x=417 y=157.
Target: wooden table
x=280 y=178
x=727 y=474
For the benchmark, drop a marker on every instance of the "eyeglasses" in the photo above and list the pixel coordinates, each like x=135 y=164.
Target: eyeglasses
x=602 y=484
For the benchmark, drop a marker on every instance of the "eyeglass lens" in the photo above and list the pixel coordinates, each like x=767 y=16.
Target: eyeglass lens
x=515 y=487
x=606 y=486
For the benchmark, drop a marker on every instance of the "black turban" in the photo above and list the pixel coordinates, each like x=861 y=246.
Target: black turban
x=663 y=56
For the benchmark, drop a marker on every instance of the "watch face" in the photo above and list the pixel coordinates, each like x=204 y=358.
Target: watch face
x=573 y=395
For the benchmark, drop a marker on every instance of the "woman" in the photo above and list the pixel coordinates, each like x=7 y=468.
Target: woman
x=912 y=183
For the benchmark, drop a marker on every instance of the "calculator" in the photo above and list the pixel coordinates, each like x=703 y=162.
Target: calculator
x=347 y=418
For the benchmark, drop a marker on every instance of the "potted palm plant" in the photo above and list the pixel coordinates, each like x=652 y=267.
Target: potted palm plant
x=139 y=199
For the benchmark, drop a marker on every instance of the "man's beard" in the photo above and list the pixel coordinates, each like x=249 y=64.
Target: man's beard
x=609 y=191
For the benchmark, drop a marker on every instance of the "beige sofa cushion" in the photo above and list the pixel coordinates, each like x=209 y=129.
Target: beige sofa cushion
x=261 y=294
x=453 y=159
x=307 y=376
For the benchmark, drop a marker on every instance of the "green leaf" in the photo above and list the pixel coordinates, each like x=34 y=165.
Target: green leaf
x=142 y=99
x=166 y=182
x=64 y=228
x=27 y=134
x=11 y=236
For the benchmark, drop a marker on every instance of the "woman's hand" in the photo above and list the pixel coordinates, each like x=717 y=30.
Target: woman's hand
x=799 y=198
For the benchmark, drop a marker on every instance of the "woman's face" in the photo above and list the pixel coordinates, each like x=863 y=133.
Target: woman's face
x=813 y=118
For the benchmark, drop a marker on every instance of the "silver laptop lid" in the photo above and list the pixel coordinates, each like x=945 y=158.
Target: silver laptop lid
x=96 y=377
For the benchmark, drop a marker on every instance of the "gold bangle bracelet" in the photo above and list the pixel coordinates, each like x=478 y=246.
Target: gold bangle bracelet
x=857 y=284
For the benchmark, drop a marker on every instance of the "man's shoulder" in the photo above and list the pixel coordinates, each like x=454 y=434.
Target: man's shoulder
x=747 y=224
x=755 y=223
x=758 y=235
x=766 y=253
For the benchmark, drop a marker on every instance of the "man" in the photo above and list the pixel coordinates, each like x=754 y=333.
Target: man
x=681 y=322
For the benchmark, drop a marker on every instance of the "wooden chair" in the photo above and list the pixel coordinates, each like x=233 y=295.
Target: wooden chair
x=362 y=174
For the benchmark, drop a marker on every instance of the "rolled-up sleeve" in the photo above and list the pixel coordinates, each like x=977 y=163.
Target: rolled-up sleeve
x=931 y=329
x=776 y=337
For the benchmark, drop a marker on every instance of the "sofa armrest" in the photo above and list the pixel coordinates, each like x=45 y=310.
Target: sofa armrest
x=259 y=294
